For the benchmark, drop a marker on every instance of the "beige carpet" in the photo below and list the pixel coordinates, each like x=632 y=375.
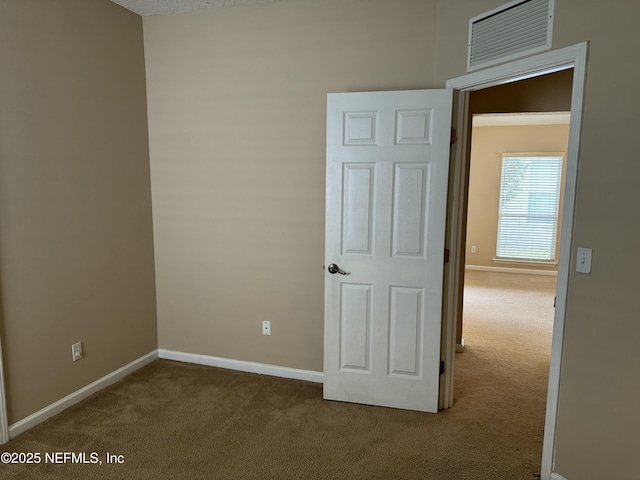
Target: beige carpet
x=172 y=420
x=501 y=378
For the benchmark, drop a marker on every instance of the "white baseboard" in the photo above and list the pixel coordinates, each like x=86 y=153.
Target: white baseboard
x=75 y=397
x=251 y=367
x=526 y=271
x=555 y=476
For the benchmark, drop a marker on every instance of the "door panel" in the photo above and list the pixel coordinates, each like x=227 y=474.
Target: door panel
x=406 y=324
x=358 y=191
x=409 y=209
x=355 y=327
x=387 y=176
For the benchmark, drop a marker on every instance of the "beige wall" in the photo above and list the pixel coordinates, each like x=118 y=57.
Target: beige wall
x=598 y=416
x=237 y=112
x=76 y=248
x=488 y=145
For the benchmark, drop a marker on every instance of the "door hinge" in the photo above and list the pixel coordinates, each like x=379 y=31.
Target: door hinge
x=442 y=367
x=454 y=136
x=447 y=254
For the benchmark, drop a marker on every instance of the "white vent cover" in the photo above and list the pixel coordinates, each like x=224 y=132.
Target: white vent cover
x=514 y=30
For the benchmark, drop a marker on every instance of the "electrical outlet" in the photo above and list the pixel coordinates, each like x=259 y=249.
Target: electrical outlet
x=266 y=327
x=473 y=249
x=76 y=351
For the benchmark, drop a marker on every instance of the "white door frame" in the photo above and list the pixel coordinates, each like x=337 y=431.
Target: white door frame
x=4 y=421
x=570 y=57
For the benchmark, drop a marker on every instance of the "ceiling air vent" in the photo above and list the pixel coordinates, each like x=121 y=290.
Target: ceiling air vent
x=514 y=30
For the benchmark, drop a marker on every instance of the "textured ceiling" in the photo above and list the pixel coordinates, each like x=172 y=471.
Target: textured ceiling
x=157 y=7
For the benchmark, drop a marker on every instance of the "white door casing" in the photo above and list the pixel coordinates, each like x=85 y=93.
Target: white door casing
x=4 y=421
x=386 y=200
x=568 y=57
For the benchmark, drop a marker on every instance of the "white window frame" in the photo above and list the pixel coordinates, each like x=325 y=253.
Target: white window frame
x=502 y=255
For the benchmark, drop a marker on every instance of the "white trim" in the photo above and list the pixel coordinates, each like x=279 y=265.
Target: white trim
x=526 y=271
x=555 y=476
x=482 y=120
x=570 y=57
x=4 y=419
x=568 y=208
x=75 y=397
x=241 y=365
x=455 y=270
x=549 y=62
x=522 y=261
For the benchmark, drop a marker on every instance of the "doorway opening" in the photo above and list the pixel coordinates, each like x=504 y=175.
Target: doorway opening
x=569 y=58
x=514 y=202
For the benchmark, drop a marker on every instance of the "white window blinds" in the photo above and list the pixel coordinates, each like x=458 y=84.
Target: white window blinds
x=528 y=212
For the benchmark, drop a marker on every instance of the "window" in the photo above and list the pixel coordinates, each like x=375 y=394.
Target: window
x=528 y=212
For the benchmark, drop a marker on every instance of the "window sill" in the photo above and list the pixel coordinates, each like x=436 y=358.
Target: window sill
x=520 y=261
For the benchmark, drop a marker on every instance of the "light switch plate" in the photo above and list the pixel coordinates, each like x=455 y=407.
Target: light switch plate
x=583 y=260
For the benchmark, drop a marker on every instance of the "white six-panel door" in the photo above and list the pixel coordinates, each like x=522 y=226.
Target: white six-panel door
x=386 y=198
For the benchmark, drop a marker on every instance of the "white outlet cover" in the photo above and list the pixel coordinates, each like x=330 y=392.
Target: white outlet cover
x=76 y=351
x=583 y=260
